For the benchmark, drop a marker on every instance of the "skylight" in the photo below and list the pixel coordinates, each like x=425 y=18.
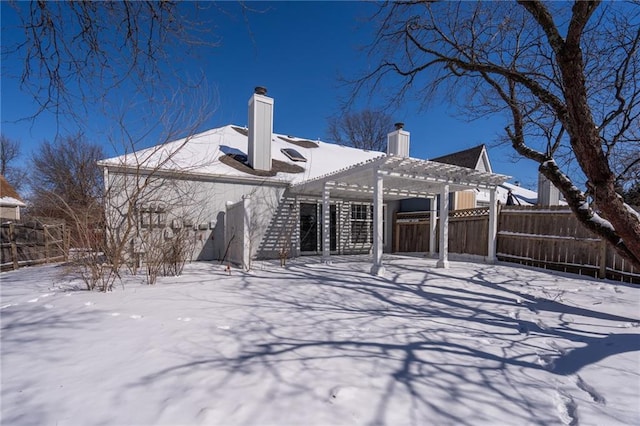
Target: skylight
x=293 y=155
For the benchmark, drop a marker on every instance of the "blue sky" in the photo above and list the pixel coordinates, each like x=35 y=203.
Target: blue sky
x=297 y=50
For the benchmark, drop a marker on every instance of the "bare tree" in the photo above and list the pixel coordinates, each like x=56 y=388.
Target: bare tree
x=76 y=55
x=565 y=76
x=77 y=52
x=66 y=170
x=366 y=129
x=152 y=208
x=9 y=153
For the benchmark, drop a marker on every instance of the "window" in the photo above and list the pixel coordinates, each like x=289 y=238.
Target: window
x=361 y=223
x=293 y=155
x=153 y=216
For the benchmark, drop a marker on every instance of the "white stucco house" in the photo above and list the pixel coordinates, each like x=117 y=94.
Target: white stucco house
x=246 y=193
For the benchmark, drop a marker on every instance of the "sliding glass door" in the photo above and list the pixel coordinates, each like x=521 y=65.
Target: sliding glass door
x=311 y=228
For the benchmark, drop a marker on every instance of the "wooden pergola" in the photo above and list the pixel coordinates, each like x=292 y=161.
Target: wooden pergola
x=394 y=178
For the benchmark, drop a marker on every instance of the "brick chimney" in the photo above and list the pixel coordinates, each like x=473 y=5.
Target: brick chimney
x=398 y=141
x=260 y=129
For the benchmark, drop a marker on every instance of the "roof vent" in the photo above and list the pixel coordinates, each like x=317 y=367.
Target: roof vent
x=259 y=90
x=399 y=126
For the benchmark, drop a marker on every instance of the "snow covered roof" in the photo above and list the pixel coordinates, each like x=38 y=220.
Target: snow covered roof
x=222 y=152
x=522 y=196
x=8 y=195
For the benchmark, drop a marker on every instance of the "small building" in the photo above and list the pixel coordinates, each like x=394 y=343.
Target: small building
x=244 y=193
x=10 y=202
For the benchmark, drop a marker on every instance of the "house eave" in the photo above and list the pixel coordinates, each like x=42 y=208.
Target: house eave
x=191 y=175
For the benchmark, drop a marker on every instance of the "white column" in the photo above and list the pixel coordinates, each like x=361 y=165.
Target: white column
x=378 y=232
x=443 y=258
x=493 y=227
x=326 y=223
x=432 y=226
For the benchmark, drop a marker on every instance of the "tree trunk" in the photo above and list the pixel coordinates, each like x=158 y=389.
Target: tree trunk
x=586 y=144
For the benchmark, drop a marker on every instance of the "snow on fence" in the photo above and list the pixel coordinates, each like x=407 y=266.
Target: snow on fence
x=547 y=237
x=32 y=243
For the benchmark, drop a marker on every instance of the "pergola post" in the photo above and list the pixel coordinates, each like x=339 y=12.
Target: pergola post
x=443 y=258
x=433 y=220
x=378 y=232
x=493 y=227
x=326 y=230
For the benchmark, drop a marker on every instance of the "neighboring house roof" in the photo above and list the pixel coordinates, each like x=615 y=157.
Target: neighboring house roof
x=8 y=195
x=472 y=158
x=522 y=196
x=220 y=153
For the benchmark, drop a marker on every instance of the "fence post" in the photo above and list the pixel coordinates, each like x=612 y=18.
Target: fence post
x=602 y=273
x=14 y=247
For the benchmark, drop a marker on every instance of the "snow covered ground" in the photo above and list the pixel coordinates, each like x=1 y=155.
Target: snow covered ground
x=318 y=344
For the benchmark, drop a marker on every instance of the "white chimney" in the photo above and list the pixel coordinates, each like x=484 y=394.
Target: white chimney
x=548 y=195
x=260 y=129
x=398 y=142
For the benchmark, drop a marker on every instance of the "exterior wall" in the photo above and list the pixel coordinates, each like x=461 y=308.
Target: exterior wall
x=197 y=206
x=199 y=209
x=282 y=237
x=414 y=205
x=483 y=197
x=9 y=213
x=464 y=200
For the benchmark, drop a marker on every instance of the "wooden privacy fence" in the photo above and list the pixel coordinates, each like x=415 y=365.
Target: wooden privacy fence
x=32 y=243
x=552 y=237
x=547 y=237
x=468 y=231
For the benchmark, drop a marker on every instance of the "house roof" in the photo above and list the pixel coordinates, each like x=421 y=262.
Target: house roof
x=468 y=158
x=219 y=153
x=8 y=195
x=523 y=196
